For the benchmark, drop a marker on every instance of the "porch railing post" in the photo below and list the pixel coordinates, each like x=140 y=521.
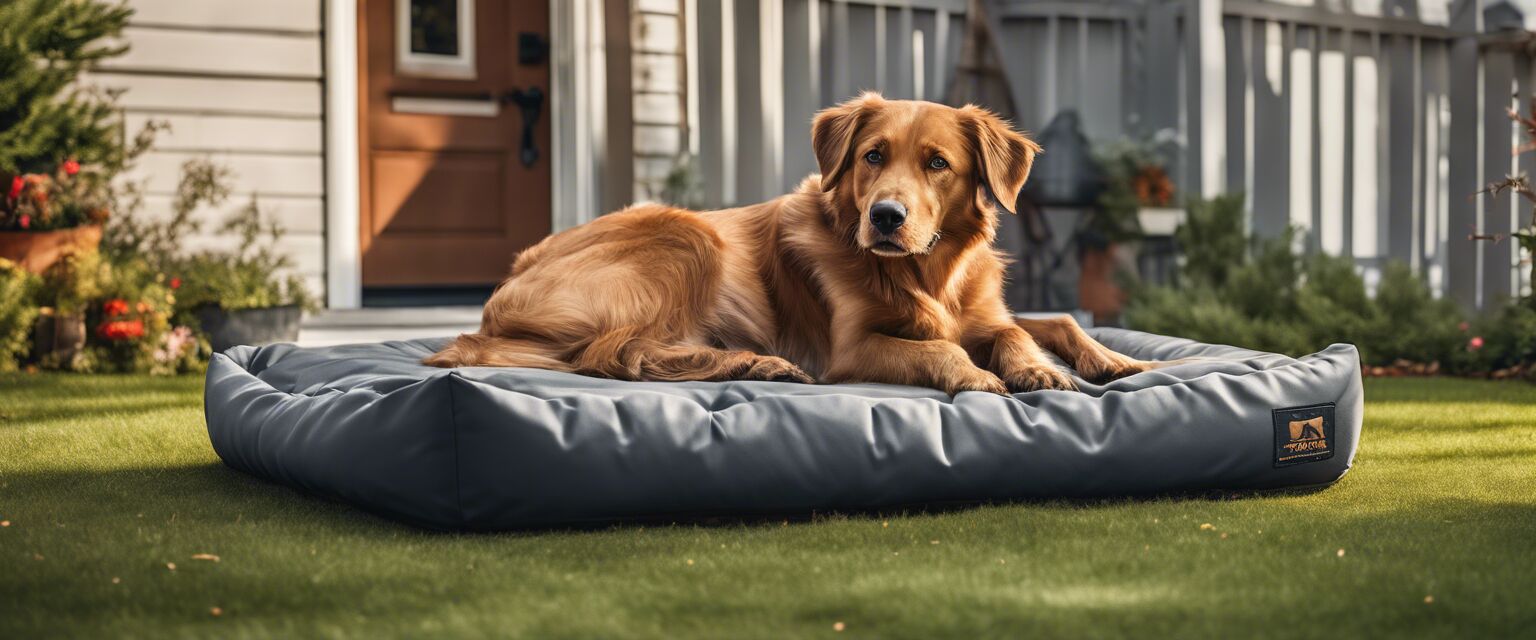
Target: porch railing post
x=1206 y=119
x=1465 y=156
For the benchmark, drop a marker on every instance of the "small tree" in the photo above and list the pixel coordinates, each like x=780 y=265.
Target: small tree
x=45 y=116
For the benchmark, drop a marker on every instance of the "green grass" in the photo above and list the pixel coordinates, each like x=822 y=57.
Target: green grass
x=105 y=480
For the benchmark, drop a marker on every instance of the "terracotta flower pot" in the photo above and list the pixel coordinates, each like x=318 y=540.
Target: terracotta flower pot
x=1097 y=291
x=35 y=251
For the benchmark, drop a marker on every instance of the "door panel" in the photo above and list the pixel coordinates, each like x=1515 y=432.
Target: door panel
x=449 y=194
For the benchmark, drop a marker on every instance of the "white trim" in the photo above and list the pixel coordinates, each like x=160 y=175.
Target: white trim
x=577 y=111
x=691 y=67
x=343 y=255
x=770 y=42
x=435 y=65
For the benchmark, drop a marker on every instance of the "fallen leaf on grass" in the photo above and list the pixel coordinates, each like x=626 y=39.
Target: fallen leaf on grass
x=1223 y=535
x=205 y=556
x=37 y=556
x=1207 y=527
x=839 y=626
x=5 y=523
x=171 y=566
x=1429 y=599
x=690 y=562
x=116 y=580
x=1341 y=553
x=216 y=612
x=933 y=542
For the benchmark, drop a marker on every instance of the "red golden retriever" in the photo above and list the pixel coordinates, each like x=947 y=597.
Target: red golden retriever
x=881 y=269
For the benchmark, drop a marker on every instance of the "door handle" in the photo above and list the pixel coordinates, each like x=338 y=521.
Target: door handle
x=530 y=101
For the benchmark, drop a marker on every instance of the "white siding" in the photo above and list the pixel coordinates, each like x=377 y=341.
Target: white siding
x=239 y=82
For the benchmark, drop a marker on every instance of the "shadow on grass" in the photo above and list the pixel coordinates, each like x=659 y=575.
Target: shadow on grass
x=85 y=409
x=210 y=494
x=214 y=494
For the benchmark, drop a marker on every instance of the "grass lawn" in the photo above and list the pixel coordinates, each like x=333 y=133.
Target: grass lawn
x=107 y=481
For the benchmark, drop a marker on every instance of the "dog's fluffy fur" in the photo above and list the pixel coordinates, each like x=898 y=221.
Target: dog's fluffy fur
x=803 y=288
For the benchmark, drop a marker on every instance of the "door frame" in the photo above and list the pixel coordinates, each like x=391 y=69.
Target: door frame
x=576 y=110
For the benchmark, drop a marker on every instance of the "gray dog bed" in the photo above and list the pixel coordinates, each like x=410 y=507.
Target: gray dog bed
x=488 y=448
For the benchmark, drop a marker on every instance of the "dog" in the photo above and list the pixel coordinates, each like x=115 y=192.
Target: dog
x=879 y=269
x=1311 y=429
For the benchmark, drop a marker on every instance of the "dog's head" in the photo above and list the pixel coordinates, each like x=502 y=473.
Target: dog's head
x=902 y=174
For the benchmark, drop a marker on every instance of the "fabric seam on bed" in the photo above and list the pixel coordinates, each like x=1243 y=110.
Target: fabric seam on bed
x=458 y=476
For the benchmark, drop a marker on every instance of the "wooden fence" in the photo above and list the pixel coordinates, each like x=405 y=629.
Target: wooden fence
x=1369 y=132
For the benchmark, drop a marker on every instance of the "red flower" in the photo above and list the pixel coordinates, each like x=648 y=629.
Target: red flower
x=16 y=185
x=121 y=329
x=115 y=307
x=25 y=221
x=71 y=167
x=1475 y=343
x=175 y=283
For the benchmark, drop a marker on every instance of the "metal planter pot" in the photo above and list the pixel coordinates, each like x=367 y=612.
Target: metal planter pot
x=227 y=329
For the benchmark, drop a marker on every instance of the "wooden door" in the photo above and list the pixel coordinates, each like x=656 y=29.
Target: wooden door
x=453 y=185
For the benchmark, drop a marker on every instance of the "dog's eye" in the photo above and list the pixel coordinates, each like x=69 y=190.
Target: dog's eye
x=874 y=157
x=938 y=163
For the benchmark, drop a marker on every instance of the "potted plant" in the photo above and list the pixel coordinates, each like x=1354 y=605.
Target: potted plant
x=242 y=296
x=68 y=287
x=43 y=217
x=1134 y=180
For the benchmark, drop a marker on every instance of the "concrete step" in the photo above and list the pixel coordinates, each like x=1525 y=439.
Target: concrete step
x=347 y=326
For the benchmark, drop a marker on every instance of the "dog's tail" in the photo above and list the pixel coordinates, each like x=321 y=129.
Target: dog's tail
x=479 y=350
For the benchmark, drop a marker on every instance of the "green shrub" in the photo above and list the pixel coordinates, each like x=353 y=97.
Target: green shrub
x=127 y=308
x=1507 y=339
x=1262 y=294
x=17 y=313
x=247 y=278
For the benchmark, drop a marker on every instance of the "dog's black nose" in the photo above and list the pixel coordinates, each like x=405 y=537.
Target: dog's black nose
x=887 y=215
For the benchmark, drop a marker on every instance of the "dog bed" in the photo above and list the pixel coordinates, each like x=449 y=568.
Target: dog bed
x=489 y=448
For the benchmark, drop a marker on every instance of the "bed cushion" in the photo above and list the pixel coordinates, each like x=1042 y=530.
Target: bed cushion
x=491 y=448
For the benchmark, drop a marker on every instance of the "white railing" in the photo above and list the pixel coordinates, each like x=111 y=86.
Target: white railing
x=1369 y=130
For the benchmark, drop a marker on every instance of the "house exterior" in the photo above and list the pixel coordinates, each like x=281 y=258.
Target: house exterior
x=419 y=143
x=377 y=156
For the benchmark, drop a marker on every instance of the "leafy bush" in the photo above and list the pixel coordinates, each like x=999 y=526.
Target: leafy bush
x=73 y=283
x=1261 y=294
x=249 y=277
x=1502 y=339
x=127 y=309
x=17 y=313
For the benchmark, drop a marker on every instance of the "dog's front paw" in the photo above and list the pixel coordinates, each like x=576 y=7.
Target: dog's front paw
x=775 y=369
x=1039 y=376
x=1101 y=366
x=973 y=379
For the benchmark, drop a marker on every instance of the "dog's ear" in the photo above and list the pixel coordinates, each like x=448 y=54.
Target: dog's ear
x=833 y=132
x=1003 y=157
